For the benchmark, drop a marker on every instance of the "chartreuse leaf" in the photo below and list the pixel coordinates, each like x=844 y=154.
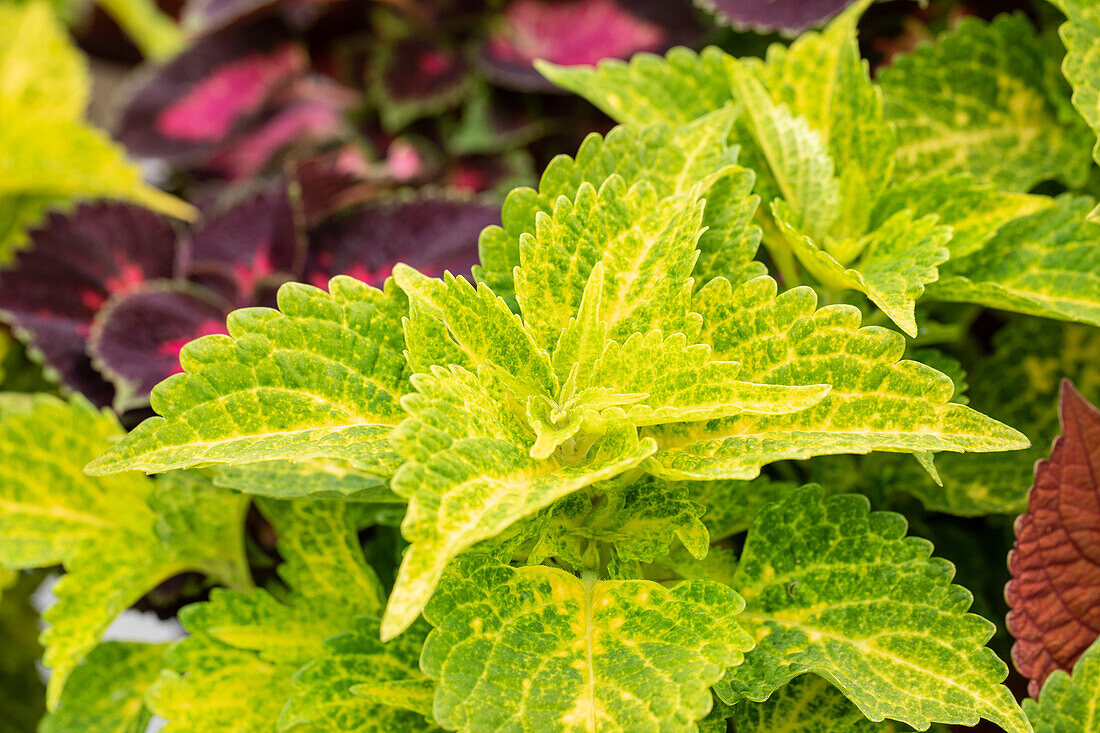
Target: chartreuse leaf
x=693 y=158
x=469 y=476
x=47 y=153
x=822 y=79
x=638 y=520
x=974 y=211
x=235 y=671
x=322 y=478
x=1069 y=703
x=896 y=262
x=834 y=589
x=806 y=703
x=318 y=379
x=876 y=402
x=495 y=437
x=977 y=102
x=1029 y=357
x=1081 y=34
x=536 y=648
x=106 y=693
x=1046 y=264
x=358 y=683
x=117 y=537
x=731 y=505
x=673 y=89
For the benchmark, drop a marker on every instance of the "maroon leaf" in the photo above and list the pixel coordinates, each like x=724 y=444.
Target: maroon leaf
x=314 y=114
x=136 y=339
x=192 y=105
x=332 y=181
x=432 y=234
x=413 y=78
x=236 y=251
x=212 y=15
x=579 y=32
x=1054 y=594
x=789 y=17
x=77 y=261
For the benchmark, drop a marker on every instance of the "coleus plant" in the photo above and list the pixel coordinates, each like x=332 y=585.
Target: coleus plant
x=572 y=444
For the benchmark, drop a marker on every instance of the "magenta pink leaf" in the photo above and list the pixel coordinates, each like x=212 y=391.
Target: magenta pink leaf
x=76 y=263
x=192 y=105
x=432 y=234
x=1054 y=594
x=579 y=32
x=313 y=115
x=789 y=17
x=136 y=339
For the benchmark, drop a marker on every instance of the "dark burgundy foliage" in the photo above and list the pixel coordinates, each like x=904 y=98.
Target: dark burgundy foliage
x=431 y=234
x=1054 y=594
x=108 y=294
x=789 y=17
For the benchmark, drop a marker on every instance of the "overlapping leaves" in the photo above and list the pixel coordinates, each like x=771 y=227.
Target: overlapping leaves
x=48 y=154
x=118 y=537
x=824 y=154
x=833 y=589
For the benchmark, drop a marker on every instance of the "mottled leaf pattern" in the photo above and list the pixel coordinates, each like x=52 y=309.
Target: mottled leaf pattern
x=538 y=648
x=1081 y=34
x=1046 y=264
x=977 y=102
x=117 y=537
x=1054 y=594
x=252 y=395
x=876 y=402
x=107 y=691
x=806 y=703
x=834 y=589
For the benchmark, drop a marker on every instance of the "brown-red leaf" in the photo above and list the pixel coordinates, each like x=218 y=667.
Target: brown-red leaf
x=1054 y=594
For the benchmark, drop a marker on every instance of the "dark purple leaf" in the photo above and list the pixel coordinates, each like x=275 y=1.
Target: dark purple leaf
x=212 y=15
x=432 y=234
x=497 y=174
x=136 y=339
x=333 y=181
x=579 y=32
x=789 y=17
x=76 y=262
x=413 y=78
x=235 y=251
x=192 y=105
x=314 y=114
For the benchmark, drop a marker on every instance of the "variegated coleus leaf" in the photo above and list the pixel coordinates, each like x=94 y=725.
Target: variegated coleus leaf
x=876 y=402
x=1046 y=264
x=579 y=32
x=979 y=101
x=107 y=691
x=564 y=418
x=806 y=703
x=1069 y=703
x=321 y=378
x=826 y=151
x=412 y=77
x=537 y=648
x=1081 y=34
x=834 y=589
x=117 y=537
x=237 y=669
x=1054 y=594
x=673 y=160
x=190 y=106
